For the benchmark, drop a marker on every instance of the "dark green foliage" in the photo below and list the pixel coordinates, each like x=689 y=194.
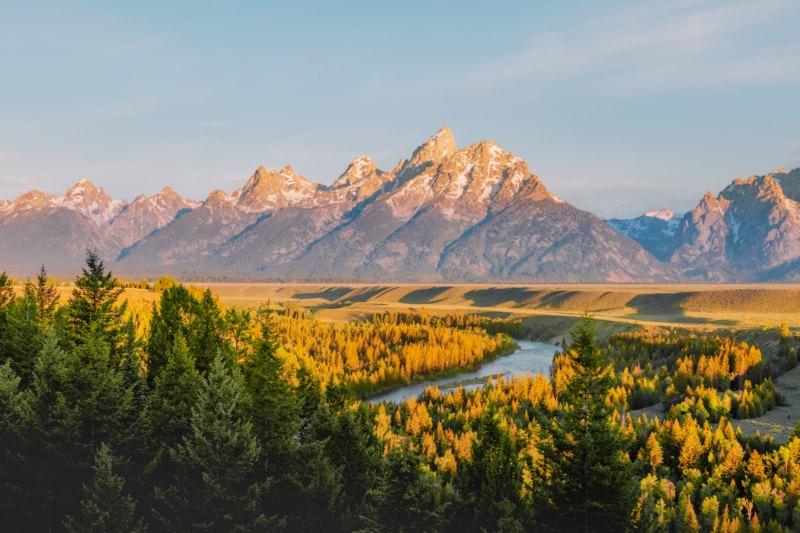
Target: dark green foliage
x=166 y=418
x=44 y=296
x=589 y=483
x=95 y=389
x=16 y=415
x=20 y=336
x=490 y=484
x=199 y=322
x=310 y=494
x=93 y=306
x=270 y=404
x=352 y=449
x=410 y=499
x=105 y=507
x=215 y=487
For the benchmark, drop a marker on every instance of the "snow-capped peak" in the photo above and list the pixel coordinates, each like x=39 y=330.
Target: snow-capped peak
x=662 y=214
x=440 y=145
x=359 y=169
x=270 y=189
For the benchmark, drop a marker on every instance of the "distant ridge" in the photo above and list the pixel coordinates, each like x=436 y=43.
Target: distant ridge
x=446 y=213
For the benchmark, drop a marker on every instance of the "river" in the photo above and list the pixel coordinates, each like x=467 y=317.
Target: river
x=530 y=358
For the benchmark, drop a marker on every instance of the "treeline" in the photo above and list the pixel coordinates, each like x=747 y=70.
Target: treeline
x=709 y=376
x=388 y=350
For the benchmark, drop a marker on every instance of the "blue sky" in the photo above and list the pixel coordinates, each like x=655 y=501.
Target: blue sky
x=617 y=106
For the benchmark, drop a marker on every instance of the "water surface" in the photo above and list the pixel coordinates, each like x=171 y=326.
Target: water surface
x=530 y=358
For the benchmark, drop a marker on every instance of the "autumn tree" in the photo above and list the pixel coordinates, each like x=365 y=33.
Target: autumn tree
x=6 y=290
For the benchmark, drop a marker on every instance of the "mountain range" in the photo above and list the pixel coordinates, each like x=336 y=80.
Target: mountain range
x=446 y=213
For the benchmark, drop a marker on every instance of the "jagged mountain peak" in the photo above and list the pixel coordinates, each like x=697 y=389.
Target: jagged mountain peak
x=790 y=182
x=430 y=153
x=218 y=196
x=270 y=189
x=92 y=201
x=361 y=168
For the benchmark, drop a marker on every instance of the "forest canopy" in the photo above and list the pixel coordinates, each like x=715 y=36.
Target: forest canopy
x=194 y=416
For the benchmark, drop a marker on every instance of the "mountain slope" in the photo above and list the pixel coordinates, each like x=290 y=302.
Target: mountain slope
x=446 y=213
x=749 y=231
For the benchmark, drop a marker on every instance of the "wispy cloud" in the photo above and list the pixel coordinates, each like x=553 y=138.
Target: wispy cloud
x=686 y=44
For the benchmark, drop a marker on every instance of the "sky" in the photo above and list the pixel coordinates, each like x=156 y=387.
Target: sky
x=617 y=106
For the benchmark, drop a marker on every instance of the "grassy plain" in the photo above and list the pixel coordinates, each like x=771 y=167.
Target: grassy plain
x=704 y=307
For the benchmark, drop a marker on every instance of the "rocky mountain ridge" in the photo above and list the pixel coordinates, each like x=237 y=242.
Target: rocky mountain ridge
x=750 y=231
x=475 y=213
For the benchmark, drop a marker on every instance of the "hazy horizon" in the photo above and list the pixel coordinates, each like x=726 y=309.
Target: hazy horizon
x=619 y=108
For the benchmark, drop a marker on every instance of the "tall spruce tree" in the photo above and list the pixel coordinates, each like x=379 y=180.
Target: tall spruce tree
x=588 y=480
x=105 y=507
x=16 y=417
x=167 y=416
x=490 y=484
x=198 y=321
x=216 y=487
x=56 y=449
x=269 y=402
x=44 y=296
x=94 y=305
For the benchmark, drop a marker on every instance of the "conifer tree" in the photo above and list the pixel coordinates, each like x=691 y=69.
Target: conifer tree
x=16 y=416
x=587 y=477
x=199 y=322
x=269 y=402
x=94 y=304
x=20 y=336
x=95 y=388
x=167 y=414
x=105 y=507
x=57 y=451
x=44 y=296
x=410 y=498
x=352 y=447
x=491 y=482
x=215 y=487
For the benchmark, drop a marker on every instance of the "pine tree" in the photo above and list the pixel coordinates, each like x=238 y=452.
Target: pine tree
x=586 y=473
x=353 y=448
x=167 y=414
x=20 y=336
x=44 y=296
x=410 y=498
x=199 y=322
x=270 y=404
x=94 y=305
x=16 y=416
x=57 y=452
x=491 y=482
x=95 y=388
x=215 y=487
x=172 y=317
x=104 y=507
